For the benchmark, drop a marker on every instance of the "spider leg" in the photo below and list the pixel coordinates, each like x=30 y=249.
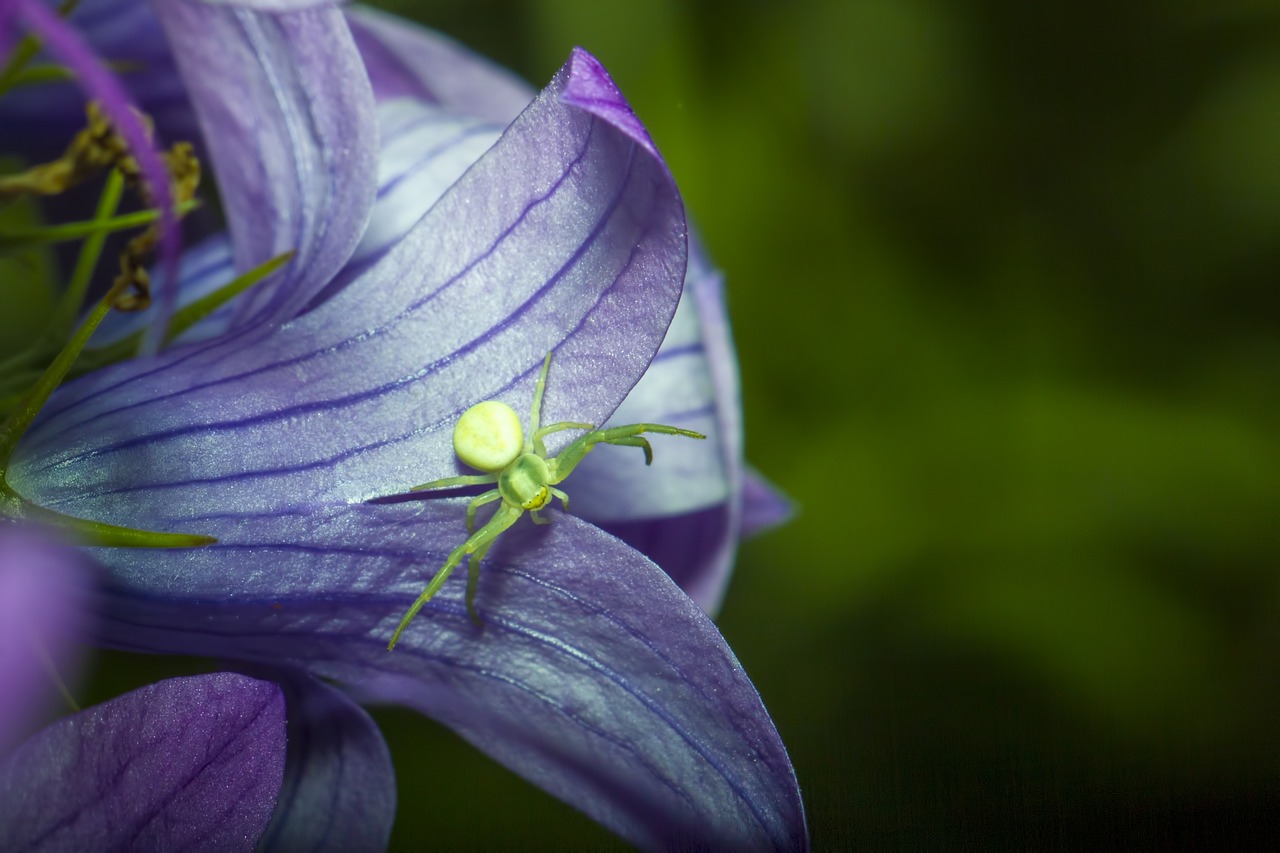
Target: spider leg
x=563 y=465
x=473 y=584
x=537 y=517
x=541 y=448
x=476 y=503
x=538 y=388
x=465 y=480
x=564 y=499
x=477 y=542
x=634 y=441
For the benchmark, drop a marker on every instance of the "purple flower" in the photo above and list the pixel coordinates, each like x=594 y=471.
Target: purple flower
x=448 y=234
x=186 y=763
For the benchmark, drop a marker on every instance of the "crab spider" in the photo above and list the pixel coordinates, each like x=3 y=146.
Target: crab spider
x=488 y=438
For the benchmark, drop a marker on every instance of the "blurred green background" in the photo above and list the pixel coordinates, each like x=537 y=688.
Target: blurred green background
x=1004 y=282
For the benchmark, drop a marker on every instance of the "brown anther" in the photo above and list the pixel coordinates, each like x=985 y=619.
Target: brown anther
x=184 y=171
x=98 y=146
x=133 y=285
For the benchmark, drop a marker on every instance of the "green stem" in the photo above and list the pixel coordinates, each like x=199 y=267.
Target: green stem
x=73 y=297
x=16 y=426
x=95 y=533
x=76 y=230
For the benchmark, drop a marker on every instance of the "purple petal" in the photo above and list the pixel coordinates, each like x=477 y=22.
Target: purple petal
x=566 y=235
x=593 y=675
x=185 y=764
x=288 y=117
x=682 y=511
x=339 y=790
x=406 y=60
x=678 y=389
x=205 y=268
x=591 y=88
x=64 y=42
x=696 y=548
x=7 y=10
x=425 y=149
x=42 y=598
x=272 y=5
x=763 y=506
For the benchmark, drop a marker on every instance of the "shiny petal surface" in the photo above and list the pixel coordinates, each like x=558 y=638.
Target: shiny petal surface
x=185 y=764
x=42 y=600
x=593 y=675
x=339 y=791
x=425 y=149
x=288 y=117
x=406 y=60
x=566 y=235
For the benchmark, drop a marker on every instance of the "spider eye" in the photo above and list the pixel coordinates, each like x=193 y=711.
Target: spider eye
x=539 y=500
x=488 y=436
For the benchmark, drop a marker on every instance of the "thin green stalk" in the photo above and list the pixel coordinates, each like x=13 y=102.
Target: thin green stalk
x=77 y=230
x=16 y=426
x=87 y=261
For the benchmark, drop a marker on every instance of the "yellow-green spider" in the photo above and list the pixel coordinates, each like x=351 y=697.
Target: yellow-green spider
x=488 y=437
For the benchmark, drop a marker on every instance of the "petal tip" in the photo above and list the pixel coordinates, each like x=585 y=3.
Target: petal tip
x=589 y=87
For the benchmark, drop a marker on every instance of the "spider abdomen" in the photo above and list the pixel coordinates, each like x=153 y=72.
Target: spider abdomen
x=488 y=436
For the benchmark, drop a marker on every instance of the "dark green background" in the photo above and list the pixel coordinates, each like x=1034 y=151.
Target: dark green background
x=1004 y=282
x=1003 y=279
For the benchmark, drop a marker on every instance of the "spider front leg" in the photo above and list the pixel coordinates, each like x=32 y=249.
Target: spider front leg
x=449 y=482
x=478 y=543
x=627 y=436
x=540 y=448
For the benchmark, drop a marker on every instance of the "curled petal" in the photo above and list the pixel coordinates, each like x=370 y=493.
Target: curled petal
x=679 y=389
x=339 y=791
x=425 y=149
x=405 y=60
x=567 y=234
x=42 y=599
x=185 y=764
x=592 y=675
x=288 y=117
x=684 y=510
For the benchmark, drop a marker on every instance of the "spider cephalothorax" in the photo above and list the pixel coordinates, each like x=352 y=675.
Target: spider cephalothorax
x=488 y=437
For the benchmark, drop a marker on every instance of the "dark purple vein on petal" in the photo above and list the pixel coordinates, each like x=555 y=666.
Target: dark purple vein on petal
x=448 y=610
x=48 y=436
x=379 y=391
x=444 y=422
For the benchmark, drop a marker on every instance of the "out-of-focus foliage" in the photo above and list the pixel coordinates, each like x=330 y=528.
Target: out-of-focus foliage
x=27 y=277
x=1004 y=278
